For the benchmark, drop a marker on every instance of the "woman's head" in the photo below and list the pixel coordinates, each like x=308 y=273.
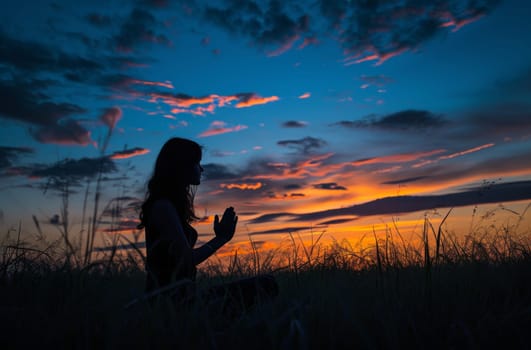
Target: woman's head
x=177 y=172
x=178 y=163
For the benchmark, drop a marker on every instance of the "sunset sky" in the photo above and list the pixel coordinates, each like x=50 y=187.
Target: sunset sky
x=312 y=114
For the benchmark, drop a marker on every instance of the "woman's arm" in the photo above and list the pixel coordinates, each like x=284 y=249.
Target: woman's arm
x=167 y=223
x=206 y=250
x=224 y=231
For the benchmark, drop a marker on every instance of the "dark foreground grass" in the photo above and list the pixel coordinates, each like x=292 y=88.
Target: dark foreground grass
x=442 y=294
x=472 y=305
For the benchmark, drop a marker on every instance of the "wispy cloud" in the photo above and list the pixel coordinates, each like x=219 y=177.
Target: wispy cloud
x=305 y=145
x=403 y=120
x=468 y=151
x=329 y=186
x=295 y=124
x=242 y=186
x=75 y=169
x=251 y=99
x=10 y=154
x=219 y=127
x=137 y=29
x=305 y=95
x=397 y=158
x=405 y=204
x=129 y=153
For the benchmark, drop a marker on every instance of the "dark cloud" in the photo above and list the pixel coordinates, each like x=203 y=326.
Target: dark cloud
x=375 y=30
x=10 y=154
x=305 y=145
x=294 y=124
x=337 y=221
x=155 y=4
x=87 y=41
x=329 y=186
x=403 y=181
x=284 y=230
x=292 y=186
x=213 y=171
x=404 y=120
x=76 y=169
x=494 y=166
x=386 y=28
x=116 y=81
x=99 y=20
x=499 y=121
x=496 y=193
x=19 y=101
x=270 y=25
x=64 y=132
x=32 y=56
x=267 y=218
x=139 y=28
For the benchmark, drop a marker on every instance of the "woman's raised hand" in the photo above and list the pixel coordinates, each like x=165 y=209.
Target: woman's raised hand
x=225 y=228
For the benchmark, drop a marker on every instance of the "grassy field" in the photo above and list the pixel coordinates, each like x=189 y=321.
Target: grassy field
x=444 y=290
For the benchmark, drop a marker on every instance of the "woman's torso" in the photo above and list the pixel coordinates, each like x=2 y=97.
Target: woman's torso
x=167 y=260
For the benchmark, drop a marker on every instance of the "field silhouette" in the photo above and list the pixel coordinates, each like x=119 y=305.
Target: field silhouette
x=444 y=290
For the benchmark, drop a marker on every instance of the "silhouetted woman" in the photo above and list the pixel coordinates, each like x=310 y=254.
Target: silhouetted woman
x=167 y=215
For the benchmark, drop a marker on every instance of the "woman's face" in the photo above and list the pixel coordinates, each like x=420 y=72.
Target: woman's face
x=195 y=176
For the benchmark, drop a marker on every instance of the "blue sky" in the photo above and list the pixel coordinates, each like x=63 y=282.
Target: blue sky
x=302 y=107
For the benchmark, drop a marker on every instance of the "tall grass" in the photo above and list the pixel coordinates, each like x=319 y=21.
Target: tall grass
x=433 y=289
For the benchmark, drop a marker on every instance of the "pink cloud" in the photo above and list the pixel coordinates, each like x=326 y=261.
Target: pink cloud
x=305 y=95
x=111 y=116
x=468 y=151
x=254 y=100
x=374 y=55
x=308 y=41
x=219 y=127
x=458 y=24
x=129 y=153
x=166 y=84
x=69 y=132
x=288 y=44
x=398 y=158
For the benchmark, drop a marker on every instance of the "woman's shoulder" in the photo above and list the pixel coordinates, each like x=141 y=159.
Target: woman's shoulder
x=162 y=204
x=163 y=207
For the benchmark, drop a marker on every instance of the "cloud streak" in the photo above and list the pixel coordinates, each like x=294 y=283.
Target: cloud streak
x=219 y=127
x=129 y=153
x=496 y=193
x=10 y=154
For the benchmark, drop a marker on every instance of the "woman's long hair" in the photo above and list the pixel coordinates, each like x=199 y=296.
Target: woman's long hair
x=171 y=177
